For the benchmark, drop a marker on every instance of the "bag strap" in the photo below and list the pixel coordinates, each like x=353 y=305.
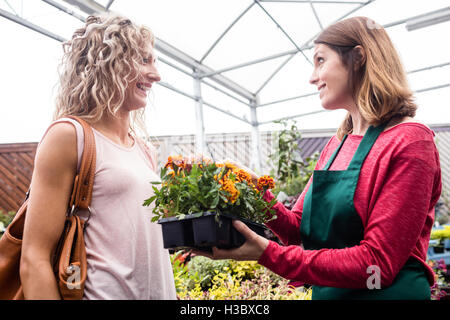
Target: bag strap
x=84 y=180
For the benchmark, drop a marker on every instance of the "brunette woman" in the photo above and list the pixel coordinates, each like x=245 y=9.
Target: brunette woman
x=361 y=227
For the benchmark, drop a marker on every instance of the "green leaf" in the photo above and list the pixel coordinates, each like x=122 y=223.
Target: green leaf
x=198 y=214
x=215 y=202
x=149 y=201
x=163 y=173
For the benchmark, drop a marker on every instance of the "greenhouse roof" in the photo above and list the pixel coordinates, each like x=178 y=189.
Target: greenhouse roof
x=235 y=65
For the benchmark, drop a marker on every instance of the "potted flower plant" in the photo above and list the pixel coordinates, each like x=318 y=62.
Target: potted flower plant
x=197 y=200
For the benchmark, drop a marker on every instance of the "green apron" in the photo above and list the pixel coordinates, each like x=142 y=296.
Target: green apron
x=330 y=220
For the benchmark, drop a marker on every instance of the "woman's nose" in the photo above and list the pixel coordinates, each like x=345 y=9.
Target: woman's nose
x=153 y=74
x=313 y=79
x=157 y=76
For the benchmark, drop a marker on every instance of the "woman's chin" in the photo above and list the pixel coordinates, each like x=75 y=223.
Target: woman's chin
x=327 y=105
x=136 y=106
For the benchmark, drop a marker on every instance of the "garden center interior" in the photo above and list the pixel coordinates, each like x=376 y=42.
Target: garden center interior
x=230 y=72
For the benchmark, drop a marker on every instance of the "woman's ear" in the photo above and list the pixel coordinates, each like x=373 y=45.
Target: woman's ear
x=360 y=57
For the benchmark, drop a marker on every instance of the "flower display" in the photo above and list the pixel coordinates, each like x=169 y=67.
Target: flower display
x=190 y=185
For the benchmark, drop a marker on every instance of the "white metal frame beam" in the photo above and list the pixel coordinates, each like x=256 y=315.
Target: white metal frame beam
x=316 y=15
x=64 y=9
x=312 y=1
x=255 y=161
x=200 y=137
x=428 y=19
x=184 y=59
x=88 y=6
x=32 y=26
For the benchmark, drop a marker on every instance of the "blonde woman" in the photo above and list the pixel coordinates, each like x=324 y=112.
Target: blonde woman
x=108 y=69
x=365 y=217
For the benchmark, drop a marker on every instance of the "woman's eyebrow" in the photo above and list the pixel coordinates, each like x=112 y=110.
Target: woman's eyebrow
x=152 y=56
x=148 y=54
x=315 y=54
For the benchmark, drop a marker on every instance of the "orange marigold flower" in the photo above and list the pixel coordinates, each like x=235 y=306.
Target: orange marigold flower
x=169 y=162
x=229 y=187
x=179 y=161
x=266 y=182
x=231 y=166
x=201 y=161
x=227 y=165
x=242 y=175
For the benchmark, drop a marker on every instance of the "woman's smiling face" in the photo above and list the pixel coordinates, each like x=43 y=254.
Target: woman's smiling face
x=137 y=91
x=330 y=76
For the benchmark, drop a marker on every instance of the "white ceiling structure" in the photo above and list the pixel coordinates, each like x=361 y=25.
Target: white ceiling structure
x=250 y=60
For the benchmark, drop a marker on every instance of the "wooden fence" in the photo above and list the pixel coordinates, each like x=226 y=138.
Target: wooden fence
x=16 y=168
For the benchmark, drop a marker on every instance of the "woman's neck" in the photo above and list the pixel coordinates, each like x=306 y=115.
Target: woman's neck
x=360 y=125
x=115 y=128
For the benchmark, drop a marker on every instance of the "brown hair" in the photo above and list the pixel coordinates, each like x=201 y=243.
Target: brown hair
x=379 y=83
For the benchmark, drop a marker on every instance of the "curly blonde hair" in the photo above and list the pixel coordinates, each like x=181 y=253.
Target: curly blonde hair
x=99 y=63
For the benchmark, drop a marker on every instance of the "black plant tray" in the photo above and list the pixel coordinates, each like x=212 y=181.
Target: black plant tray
x=205 y=231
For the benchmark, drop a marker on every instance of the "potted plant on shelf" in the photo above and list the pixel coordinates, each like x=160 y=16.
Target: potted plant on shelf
x=198 y=199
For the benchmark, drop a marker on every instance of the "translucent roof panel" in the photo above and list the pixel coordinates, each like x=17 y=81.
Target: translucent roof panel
x=387 y=11
x=190 y=26
x=45 y=15
x=254 y=36
x=290 y=81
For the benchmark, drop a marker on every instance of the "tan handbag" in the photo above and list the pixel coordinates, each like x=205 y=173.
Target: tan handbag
x=69 y=260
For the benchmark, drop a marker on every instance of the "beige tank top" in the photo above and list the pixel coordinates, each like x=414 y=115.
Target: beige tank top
x=125 y=254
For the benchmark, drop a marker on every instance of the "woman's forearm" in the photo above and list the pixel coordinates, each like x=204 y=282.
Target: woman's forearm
x=39 y=282
x=287 y=224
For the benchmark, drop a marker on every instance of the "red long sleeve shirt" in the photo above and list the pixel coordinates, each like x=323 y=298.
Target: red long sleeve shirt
x=398 y=187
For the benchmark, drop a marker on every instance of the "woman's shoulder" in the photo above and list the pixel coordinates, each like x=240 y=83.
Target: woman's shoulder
x=60 y=130
x=58 y=147
x=409 y=128
x=409 y=138
x=63 y=138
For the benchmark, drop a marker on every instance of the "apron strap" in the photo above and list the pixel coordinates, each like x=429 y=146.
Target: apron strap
x=333 y=156
x=365 y=146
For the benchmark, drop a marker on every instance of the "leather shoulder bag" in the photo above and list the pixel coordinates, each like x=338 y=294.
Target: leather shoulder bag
x=69 y=258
